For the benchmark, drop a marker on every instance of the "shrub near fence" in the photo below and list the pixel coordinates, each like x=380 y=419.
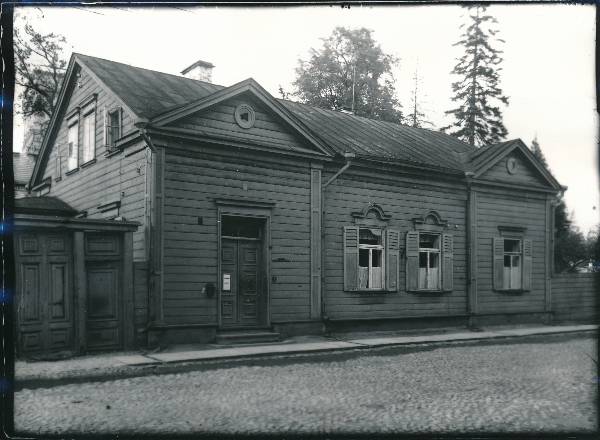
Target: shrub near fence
x=576 y=297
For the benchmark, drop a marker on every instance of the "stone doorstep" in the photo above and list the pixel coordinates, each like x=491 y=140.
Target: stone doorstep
x=149 y=359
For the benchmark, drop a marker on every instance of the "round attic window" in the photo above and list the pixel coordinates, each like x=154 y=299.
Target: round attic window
x=245 y=116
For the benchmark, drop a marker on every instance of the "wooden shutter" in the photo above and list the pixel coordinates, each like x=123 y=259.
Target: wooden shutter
x=350 y=258
x=447 y=262
x=498 y=262
x=392 y=259
x=412 y=260
x=527 y=263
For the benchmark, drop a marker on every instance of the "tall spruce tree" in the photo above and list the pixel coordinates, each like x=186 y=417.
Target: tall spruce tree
x=416 y=116
x=478 y=117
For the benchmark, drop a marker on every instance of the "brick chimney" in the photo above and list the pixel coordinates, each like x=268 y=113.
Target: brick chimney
x=200 y=70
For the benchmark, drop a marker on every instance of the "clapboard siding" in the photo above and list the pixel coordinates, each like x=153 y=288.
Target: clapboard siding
x=525 y=173
x=195 y=176
x=219 y=120
x=404 y=199
x=140 y=283
x=576 y=297
x=495 y=209
x=118 y=177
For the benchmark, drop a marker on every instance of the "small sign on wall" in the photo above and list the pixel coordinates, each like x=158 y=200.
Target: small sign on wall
x=226 y=282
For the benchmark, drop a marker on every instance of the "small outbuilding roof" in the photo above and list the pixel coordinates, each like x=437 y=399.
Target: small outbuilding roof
x=44 y=205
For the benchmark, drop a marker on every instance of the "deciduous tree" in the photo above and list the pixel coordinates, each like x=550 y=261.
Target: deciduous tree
x=350 y=71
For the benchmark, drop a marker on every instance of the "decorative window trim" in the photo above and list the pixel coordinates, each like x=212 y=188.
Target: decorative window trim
x=361 y=217
x=431 y=221
x=73 y=171
x=88 y=100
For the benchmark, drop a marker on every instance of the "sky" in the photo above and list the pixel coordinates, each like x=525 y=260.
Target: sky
x=548 y=67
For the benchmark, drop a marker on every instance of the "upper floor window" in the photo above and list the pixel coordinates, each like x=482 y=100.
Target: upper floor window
x=73 y=144
x=113 y=126
x=89 y=136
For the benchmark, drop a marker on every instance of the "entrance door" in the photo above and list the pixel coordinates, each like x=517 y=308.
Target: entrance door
x=45 y=292
x=243 y=297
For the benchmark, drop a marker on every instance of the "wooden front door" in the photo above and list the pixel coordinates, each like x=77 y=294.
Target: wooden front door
x=44 y=292
x=242 y=295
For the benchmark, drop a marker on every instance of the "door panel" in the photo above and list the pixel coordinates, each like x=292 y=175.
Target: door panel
x=103 y=309
x=229 y=297
x=240 y=304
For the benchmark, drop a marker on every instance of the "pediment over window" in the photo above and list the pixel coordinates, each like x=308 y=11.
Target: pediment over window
x=371 y=213
x=432 y=220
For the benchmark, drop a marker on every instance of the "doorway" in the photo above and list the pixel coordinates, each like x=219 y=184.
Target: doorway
x=243 y=300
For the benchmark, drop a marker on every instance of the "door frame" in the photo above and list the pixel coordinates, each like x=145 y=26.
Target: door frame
x=255 y=209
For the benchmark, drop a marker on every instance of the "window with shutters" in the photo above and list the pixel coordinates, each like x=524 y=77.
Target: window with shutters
x=429 y=261
x=512 y=263
x=371 y=252
x=429 y=255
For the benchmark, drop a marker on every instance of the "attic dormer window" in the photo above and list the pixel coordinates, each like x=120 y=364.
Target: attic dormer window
x=245 y=116
x=72 y=143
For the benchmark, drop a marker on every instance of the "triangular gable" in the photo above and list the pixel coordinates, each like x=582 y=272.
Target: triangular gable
x=526 y=169
x=64 y=96
x=248 y=87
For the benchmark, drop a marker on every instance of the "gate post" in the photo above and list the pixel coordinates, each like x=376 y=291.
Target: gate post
x=80 y=290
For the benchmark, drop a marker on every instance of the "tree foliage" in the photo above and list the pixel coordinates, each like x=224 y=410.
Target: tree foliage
x=350 y=71
x=39 y=69
x=478 y=117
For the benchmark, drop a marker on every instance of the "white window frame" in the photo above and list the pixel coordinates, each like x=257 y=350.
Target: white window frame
x=431 y=282
x=370 y=247
x=89 y=136
x=73 y=144
x=512 y=276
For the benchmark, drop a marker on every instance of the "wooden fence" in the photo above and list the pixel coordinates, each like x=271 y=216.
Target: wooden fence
x=576 y=297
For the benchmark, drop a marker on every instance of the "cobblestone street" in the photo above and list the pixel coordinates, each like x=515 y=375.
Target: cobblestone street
x=507 y=387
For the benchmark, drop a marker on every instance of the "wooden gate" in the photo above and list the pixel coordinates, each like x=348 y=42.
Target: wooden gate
x=74 y=280
x=44 y=266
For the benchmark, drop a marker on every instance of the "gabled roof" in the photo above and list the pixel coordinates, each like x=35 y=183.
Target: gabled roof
x=146 y=92
x=23 y=164
x=160 y=97
x=484 y=158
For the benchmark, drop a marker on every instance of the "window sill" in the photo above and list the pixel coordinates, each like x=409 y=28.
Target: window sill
x=88 y=163
x=513 y=291
x=372 y=291
x=73 y=171
x=429 y=291
x=58 y=179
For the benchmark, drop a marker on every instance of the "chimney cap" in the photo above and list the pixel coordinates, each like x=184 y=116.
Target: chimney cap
x=198 y=63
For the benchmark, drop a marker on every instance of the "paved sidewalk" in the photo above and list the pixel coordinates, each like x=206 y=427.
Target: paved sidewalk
x=131 y=364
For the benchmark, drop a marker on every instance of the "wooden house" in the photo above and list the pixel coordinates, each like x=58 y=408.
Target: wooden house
x=262 y=217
